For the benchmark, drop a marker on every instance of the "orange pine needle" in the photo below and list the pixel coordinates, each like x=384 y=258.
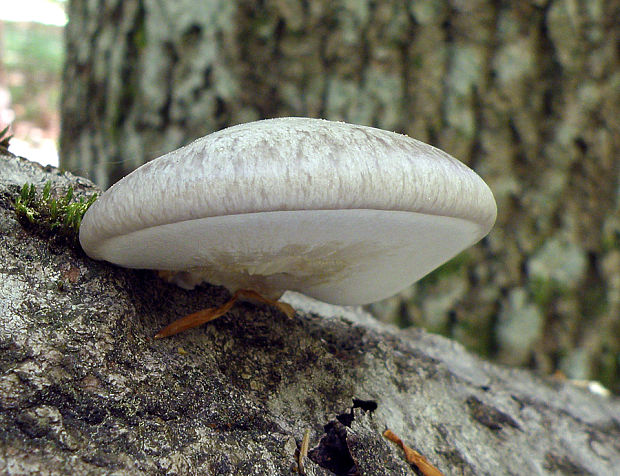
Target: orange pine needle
x=201 y=317
x=195 y=319
x=413 y=457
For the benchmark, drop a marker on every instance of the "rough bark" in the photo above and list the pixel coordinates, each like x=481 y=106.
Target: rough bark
x=84 y=389
x=527 y=93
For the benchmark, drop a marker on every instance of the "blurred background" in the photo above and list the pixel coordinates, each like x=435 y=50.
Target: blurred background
x=31 y=59
x=526 y=93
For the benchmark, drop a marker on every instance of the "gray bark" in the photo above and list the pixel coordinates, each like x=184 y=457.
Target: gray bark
x=526 y=93
x=84 y=389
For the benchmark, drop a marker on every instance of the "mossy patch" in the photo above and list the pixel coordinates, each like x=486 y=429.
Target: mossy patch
x=60 y=215
x=5 y=138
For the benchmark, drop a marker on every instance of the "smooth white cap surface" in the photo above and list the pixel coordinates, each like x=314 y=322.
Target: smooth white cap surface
x=344 y=213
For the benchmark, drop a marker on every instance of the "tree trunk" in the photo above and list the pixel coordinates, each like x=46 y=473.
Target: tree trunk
x=526 y=93
x=85 y=390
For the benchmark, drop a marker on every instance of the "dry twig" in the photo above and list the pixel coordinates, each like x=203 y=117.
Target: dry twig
x=413 y=457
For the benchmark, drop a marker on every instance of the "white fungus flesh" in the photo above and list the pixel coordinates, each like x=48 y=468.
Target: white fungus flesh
x=343 y=213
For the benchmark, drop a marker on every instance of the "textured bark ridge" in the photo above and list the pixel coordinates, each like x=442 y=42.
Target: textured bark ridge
x=84 y=388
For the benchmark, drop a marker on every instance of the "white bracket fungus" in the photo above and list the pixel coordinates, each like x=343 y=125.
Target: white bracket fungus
x=344 y=213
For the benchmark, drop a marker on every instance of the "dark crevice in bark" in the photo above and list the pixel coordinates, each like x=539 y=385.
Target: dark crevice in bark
x=333 y=452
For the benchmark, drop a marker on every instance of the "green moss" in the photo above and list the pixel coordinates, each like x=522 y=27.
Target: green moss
x=60 y=215
x=5 y=138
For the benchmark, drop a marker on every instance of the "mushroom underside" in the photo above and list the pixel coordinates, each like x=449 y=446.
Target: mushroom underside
x=347 y=257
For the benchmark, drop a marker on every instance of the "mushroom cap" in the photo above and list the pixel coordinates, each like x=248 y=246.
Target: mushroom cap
x=343 y=213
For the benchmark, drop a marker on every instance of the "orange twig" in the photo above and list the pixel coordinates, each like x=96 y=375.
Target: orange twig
x=413 y=457
x=201 y=317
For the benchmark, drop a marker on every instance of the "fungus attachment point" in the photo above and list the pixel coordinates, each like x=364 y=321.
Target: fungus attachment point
x=205 y=315
x=343 y=213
